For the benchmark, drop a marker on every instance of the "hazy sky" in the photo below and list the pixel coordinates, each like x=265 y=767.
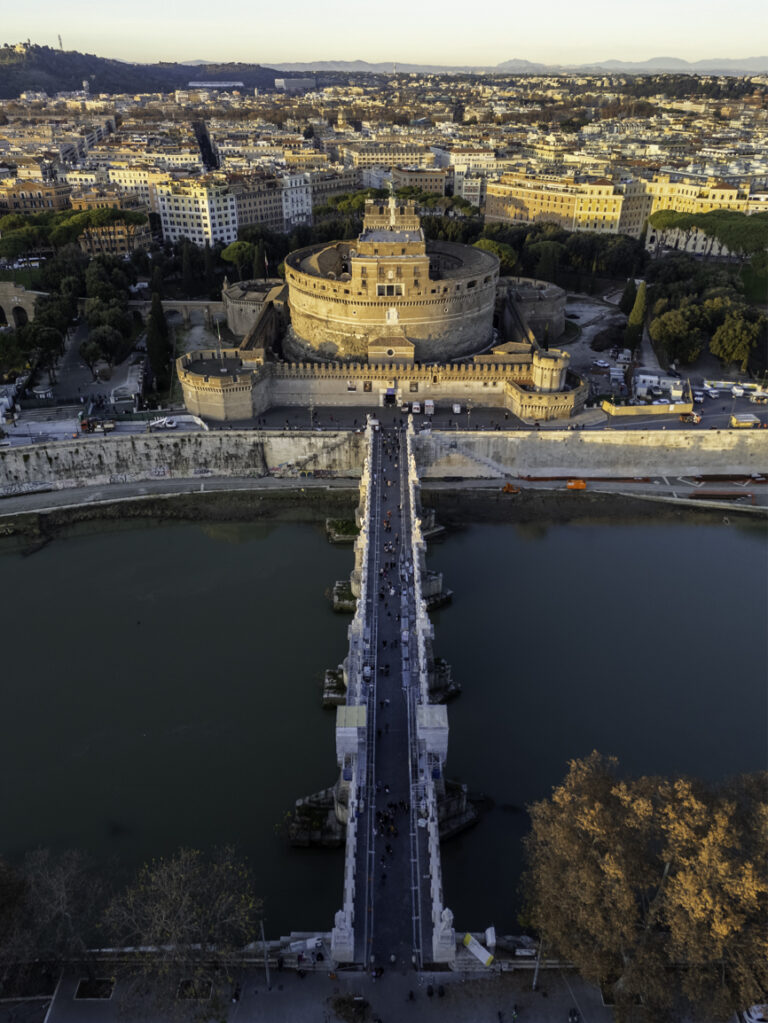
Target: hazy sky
x=425 y=31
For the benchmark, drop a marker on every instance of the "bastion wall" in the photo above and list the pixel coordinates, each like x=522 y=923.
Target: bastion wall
x=540 y=303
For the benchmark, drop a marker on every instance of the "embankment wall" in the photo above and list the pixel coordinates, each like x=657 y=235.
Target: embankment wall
x=593 y=453
x=463 y=454
x=236 y=453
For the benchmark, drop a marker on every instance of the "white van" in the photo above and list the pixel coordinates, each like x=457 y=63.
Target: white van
x=456 y=408
x=416 y=408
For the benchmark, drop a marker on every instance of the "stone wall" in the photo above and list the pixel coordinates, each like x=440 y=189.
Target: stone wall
x=598 y=453
x=221 y=397
x=235 y=453
x=540 y=303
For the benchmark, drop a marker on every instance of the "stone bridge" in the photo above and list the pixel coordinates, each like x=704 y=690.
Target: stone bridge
x=17 y=305
x=391 y=742
x=211 y=311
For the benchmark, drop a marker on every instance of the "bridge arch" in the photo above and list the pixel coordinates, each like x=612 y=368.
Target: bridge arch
x=20 y=317
x=17 y=304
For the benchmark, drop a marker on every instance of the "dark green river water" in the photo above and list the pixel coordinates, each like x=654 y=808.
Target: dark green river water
x=161 y=686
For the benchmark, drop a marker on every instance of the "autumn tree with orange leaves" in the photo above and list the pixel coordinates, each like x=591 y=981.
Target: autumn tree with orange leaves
x=655 y=888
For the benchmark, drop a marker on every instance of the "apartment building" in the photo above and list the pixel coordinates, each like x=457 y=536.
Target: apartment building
x=297 y=200
x=141 y=179
x=384 y=154
x=427 y=179
x=577 y=205
x=21 y=196
x=203 y=210
x=115 y=236
x=326 y=184
x=258 y=200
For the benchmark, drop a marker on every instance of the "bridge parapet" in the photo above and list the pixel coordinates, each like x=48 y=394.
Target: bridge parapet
x=352 y=723
x=431 y=726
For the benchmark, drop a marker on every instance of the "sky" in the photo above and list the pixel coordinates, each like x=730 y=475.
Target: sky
x=404 y=31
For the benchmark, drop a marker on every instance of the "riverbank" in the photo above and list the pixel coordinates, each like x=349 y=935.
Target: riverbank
x=454 y=505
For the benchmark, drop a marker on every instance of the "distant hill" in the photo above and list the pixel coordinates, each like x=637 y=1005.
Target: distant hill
x=43 y=69
x=519 y=66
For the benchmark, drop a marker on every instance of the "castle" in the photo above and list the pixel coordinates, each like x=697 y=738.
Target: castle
x=384 y=319
x=433 y=301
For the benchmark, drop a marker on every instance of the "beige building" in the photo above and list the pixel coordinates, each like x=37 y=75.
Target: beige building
x=601 y=205
x=20 y=196
x=573 y=204
x=258 y=200
x=428 y=179
x=384 y=154
x=116 y=237
x=390 y=283
x=203 y=210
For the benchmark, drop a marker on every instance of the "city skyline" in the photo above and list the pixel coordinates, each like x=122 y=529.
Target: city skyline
x=405 y=34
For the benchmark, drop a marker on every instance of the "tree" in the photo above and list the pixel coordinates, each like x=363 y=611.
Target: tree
x=679 y=333
x=634 y=332
x=198 y=915
x=158 y=348
x=737 y=337
x=628 y=298
x=505 y=254
x=259 y=261
x=187 y=269
x=648 y=885
x=208 y=270
x=239 y=253
x=91 y=354
x=547 y=255
x=49 y=908
x=110 y=342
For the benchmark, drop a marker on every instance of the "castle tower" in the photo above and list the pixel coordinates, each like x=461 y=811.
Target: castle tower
x=549 y=370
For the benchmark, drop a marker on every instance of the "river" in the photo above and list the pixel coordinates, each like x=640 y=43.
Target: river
x=161 y=686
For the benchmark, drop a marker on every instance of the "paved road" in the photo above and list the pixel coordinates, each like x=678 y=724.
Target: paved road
x=392 y=858
x=660 y=487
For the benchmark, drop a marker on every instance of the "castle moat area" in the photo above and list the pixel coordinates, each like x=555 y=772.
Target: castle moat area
x=176 y=692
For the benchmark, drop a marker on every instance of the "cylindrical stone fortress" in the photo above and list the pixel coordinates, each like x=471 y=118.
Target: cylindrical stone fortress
x=390 y=285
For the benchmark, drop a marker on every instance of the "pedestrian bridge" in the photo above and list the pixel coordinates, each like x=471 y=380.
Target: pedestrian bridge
x=391 y=743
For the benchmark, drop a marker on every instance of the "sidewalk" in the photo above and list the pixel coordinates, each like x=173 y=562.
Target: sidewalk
x=292 y=999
